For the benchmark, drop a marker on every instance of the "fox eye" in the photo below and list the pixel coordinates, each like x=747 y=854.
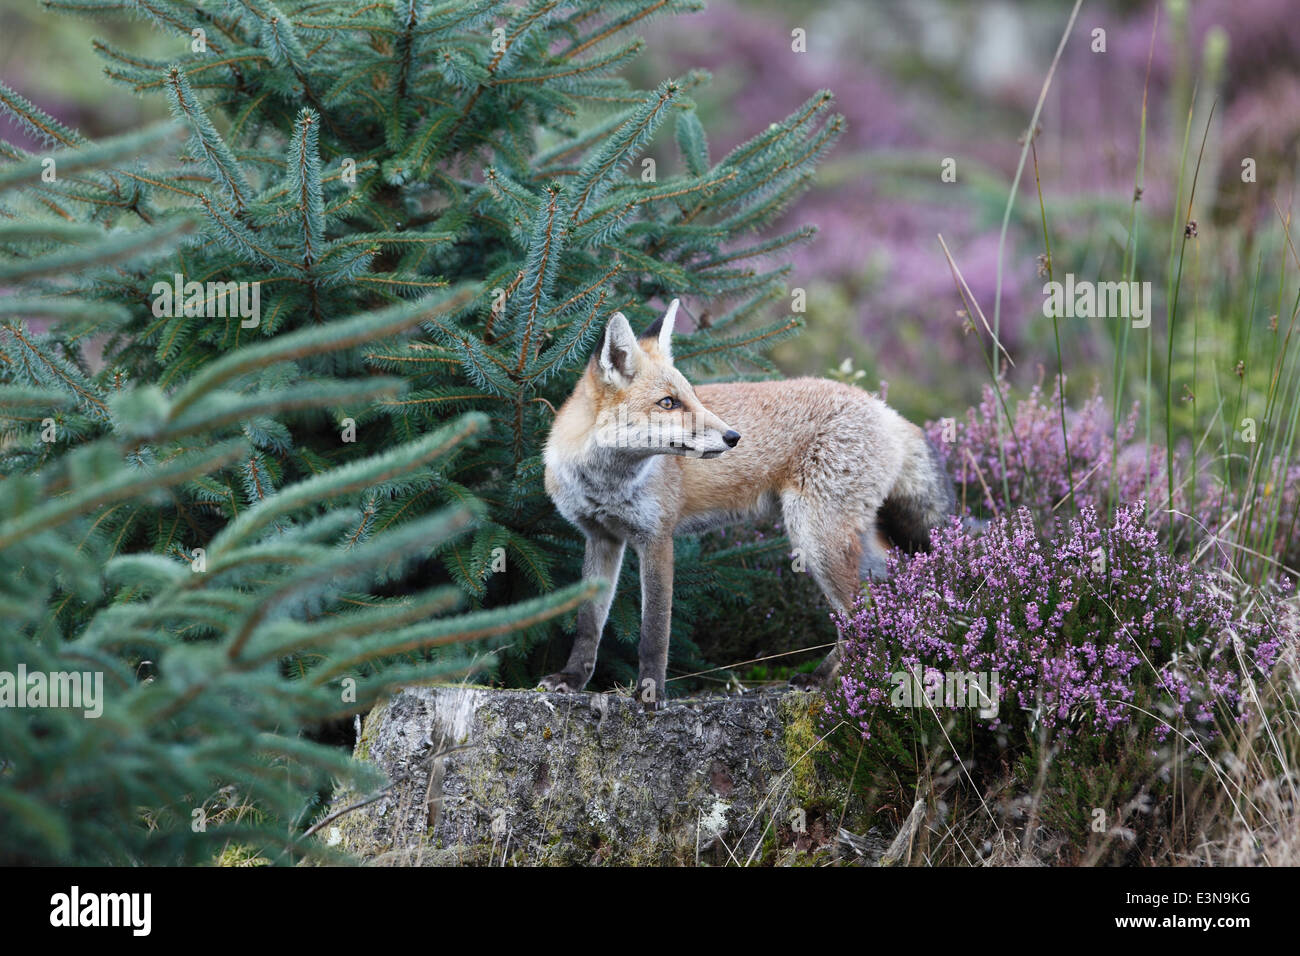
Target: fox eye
x=668 y=402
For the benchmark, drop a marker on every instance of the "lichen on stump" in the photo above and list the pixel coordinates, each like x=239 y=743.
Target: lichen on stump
x=532 y=778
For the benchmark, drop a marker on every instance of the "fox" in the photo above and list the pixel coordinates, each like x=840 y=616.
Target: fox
x=639 y=456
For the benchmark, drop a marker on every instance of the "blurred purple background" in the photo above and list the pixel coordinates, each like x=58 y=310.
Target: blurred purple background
x=918 y=83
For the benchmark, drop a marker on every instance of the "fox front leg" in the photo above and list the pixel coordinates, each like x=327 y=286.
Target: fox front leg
x=603 y=559
x=827 y=674
x=656 y=620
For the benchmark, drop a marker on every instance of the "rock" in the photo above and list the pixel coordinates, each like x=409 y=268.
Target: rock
x=868 y=847
x=485 y=776
x=900 y=851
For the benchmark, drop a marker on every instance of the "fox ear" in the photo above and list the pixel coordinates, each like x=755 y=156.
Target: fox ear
x=666 y=332
x=662 y=330
x=619 y=352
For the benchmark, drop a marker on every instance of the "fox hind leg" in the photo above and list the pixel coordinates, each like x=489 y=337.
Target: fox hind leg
x=836 y=557
x=875 y=548
x=922 y=499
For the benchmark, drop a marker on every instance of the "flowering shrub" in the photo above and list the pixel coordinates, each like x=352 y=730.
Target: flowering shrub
x=1096 y=629
x=1025 y=464
x=1267 y=521
x=997 y=470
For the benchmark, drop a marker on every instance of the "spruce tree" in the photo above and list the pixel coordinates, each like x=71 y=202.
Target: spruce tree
x=440 y=205
x=197 y=669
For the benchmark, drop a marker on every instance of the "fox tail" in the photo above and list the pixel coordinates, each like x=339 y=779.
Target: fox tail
x=923 y=498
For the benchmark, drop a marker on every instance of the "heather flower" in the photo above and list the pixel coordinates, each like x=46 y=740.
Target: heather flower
x=998 y=469
x=1097 y=628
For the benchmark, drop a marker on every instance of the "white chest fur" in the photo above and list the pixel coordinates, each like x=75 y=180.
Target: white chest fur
x=619 y=496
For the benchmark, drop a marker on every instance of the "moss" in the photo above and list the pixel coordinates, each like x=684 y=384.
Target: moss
x=799 y=712
x=485 y=780
x=770 y=845
x=811 y=858
x=370 y=727
x=823 y=782
x=234 y=854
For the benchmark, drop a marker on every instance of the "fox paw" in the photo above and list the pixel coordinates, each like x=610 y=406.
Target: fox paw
x=823 y=679
x=563 y=683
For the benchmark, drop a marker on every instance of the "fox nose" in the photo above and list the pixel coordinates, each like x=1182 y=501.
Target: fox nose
x=731 y=438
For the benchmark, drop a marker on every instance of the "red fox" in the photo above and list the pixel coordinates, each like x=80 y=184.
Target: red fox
x=636 y=455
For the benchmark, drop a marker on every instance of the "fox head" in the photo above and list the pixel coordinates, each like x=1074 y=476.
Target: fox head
x=643 y=403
